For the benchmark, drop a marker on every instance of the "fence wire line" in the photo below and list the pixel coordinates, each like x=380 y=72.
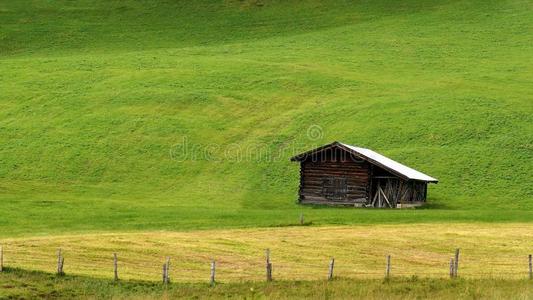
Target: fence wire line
x=280 y=271
x=278 y=265
x=252 y=268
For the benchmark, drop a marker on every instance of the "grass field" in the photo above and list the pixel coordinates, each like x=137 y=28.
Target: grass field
x=493 y=263
x=298 y=253
x=155 y=128
x=18 y=283
x=97 y=98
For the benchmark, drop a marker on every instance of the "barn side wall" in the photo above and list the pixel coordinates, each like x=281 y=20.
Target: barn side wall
x=353 y=174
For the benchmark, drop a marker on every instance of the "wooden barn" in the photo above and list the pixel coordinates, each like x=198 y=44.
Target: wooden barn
x=341 y=174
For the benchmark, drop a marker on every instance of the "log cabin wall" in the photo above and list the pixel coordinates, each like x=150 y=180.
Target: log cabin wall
x=334 y=177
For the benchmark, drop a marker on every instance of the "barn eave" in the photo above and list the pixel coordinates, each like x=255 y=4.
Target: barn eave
x=374 y=158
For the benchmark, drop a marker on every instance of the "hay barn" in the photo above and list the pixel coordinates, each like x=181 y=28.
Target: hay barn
x=341 y=174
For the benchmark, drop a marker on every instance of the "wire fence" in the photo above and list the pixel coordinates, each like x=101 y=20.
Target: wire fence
x=115 y=266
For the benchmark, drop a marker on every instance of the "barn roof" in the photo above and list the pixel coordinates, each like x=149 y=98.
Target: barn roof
x=374 y=158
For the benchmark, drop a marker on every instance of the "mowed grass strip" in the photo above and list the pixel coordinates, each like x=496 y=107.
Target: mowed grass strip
x=298 y=253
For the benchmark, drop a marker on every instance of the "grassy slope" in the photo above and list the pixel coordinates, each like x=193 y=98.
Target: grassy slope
x=21 y=284
x=96 y=98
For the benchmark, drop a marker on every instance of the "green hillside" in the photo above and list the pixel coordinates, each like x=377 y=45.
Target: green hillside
x=97 y=99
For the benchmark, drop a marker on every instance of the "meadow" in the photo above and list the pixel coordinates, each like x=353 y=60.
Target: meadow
x=297 y=253
x=133 y=115
x=156 y=128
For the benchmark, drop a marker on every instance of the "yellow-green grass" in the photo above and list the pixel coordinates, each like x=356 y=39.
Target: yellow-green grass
x=298 y=253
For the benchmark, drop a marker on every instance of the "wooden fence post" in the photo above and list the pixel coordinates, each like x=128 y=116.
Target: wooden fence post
x=60 y=262
x=115 y=266
x=168 y=265
x=301 y=219
x=456 y=263
x=452 y=268
x=387 y=272
x=167 y=270
x=212 y=278
x=268 y=266
x=165 y=273
x=331 y=266
x=530 y=267
x=1 y=258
